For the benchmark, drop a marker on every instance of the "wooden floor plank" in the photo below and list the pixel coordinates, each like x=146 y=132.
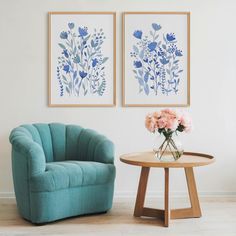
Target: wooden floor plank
x=219 y=218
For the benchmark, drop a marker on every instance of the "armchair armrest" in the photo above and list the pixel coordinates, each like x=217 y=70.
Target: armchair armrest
x=23 y=146
x=93 y=146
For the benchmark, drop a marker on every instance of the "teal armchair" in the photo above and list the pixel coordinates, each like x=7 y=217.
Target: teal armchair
x=61 y=171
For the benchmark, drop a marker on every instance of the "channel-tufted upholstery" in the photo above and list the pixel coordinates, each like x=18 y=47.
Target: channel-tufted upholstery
x=61 y=171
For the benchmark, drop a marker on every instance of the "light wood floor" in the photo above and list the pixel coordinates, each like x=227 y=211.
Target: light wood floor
x=219 y=219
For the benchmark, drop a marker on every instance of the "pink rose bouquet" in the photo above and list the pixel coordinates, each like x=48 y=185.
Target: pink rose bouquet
x=168 y=122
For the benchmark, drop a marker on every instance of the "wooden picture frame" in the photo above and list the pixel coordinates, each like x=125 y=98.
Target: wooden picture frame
x=150 y=36
x=81 y=59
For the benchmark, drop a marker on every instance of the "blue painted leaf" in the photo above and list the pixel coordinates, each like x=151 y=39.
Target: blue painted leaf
x=140 y=72
x=104 y=59
x=74 y=75
x=62 y=46
x=141 y=54
x=176 y=61
x=152 y=78
x=180 y=71
x=164 y=46
x=168 y=71
x=69 y=62
x=92 y=43
x=135 y=49
x=152 y=87
x=102 y=88
x=164 y=38
x=77 y=59
x=86 y=38
x=67 y=90
x=76 y=81
x=170 y=82
x=146 y=89
x=175 y=75
x=70 y=85
x=140 y=81
x=64 y=79
x=146 y=76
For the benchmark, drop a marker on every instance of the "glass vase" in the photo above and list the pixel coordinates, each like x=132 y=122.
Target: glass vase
x=168 y=148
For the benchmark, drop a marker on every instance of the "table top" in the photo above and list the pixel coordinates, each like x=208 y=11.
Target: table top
x=148 y=159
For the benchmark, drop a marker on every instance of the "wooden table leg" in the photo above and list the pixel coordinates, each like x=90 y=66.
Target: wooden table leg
x=141 y=191
x=167 y=207
x=195 y=210
x=192 y=190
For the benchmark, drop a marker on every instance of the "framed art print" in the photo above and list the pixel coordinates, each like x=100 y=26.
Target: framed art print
x=82 y=54
x=156 y=59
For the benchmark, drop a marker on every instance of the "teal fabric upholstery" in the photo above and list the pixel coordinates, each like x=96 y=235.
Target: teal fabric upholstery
x=61 y=171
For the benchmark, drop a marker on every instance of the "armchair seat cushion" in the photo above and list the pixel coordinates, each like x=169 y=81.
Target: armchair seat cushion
x=71 y=174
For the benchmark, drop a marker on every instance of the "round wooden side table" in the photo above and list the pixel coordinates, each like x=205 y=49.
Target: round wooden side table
x=187 y=161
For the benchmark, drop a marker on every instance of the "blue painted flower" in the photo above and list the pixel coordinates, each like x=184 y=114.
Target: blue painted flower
x=82 y=74
x=164 y=61
x=152 y=46
x=71 y=25
x=94 y=62
x=63 y=35
x=66 y=68
x=137 y=64
x=83 y=31
x=65 y=52
x=170 y=37
x=172 y=48
x=138 y=34
x=178 y=53
x=156 y=27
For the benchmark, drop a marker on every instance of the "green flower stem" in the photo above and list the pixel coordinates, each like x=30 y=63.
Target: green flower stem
x=169 y=142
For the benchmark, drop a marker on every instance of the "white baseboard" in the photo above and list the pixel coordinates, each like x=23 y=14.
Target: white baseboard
x=159 y=194
x=150 y=194
x=7 y=195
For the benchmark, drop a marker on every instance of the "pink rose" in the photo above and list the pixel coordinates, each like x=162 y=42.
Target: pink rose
x=150 y=123
x=162 y=123
x=172 y=124
x=186 y=122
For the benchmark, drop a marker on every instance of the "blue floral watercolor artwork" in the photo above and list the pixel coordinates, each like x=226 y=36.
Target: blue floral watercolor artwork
x=81 y=63
x=156 y=58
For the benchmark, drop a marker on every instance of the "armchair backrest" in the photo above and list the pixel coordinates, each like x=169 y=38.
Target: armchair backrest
x=64 y=142
x=59 y=141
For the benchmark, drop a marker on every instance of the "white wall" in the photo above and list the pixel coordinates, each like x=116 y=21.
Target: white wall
x=23 y=89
